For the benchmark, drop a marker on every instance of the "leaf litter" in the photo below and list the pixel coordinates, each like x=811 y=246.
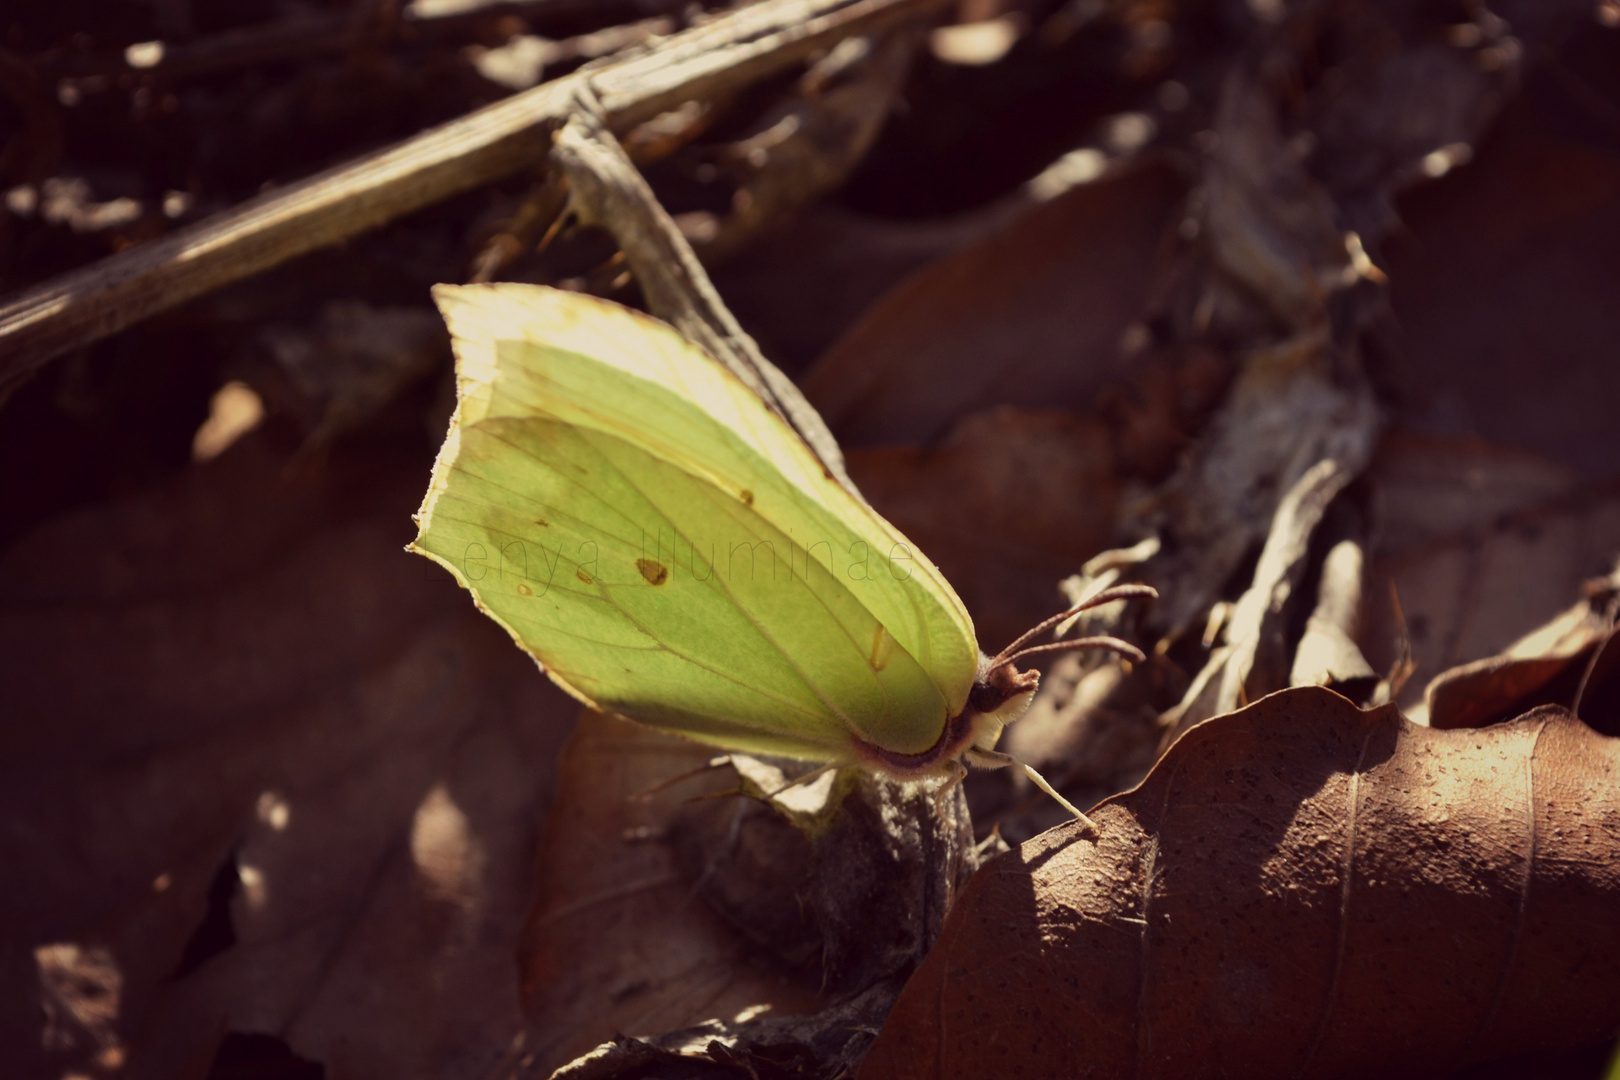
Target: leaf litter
x=1288 y=878
x=315 y=803
x=283 y=703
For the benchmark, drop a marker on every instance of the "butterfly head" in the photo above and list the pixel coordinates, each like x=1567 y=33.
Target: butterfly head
x=999 y=696
x=1002 y=692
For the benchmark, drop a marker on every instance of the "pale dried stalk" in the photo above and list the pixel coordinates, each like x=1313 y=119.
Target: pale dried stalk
x=607 y=190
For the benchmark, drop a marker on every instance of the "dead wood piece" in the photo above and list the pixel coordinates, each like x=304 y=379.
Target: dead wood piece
x=86 y=305
x=607 y=190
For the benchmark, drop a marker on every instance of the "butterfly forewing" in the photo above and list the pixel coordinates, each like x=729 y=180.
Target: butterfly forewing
x=669 y=549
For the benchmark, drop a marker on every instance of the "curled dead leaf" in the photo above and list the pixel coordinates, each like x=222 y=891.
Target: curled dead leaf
x=1567 y=660
x=1299 y=889
x=1481 y=544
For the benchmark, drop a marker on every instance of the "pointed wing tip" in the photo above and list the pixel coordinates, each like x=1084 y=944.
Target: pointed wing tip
x=450 y=298
x=447 y=295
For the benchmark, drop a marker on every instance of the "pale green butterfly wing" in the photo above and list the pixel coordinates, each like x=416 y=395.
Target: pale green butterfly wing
x=669 y=549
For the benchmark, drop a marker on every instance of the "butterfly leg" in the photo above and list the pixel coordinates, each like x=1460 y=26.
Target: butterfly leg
x=713 y=763
x=958 y=770
x=808 y=778
x=994 y=759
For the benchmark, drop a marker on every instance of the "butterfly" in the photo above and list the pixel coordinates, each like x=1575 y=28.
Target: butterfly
x=670 y=550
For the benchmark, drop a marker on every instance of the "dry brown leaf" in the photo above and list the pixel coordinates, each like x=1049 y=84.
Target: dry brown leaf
x=619 y=940
x=797 y=290
x=1302 y=889
x=234 y=701
x=1012 y=502
x=1481 y=544
x=1503 y=284
x=1033 y=315
x=1434 y=487
x=683 y=921
x=1564 y=662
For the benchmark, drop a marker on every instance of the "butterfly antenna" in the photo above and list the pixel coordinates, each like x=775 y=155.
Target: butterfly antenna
x=1123 y=648
x=1017 y=650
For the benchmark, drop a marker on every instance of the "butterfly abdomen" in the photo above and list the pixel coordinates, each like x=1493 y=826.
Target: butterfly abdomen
x=956 y=737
